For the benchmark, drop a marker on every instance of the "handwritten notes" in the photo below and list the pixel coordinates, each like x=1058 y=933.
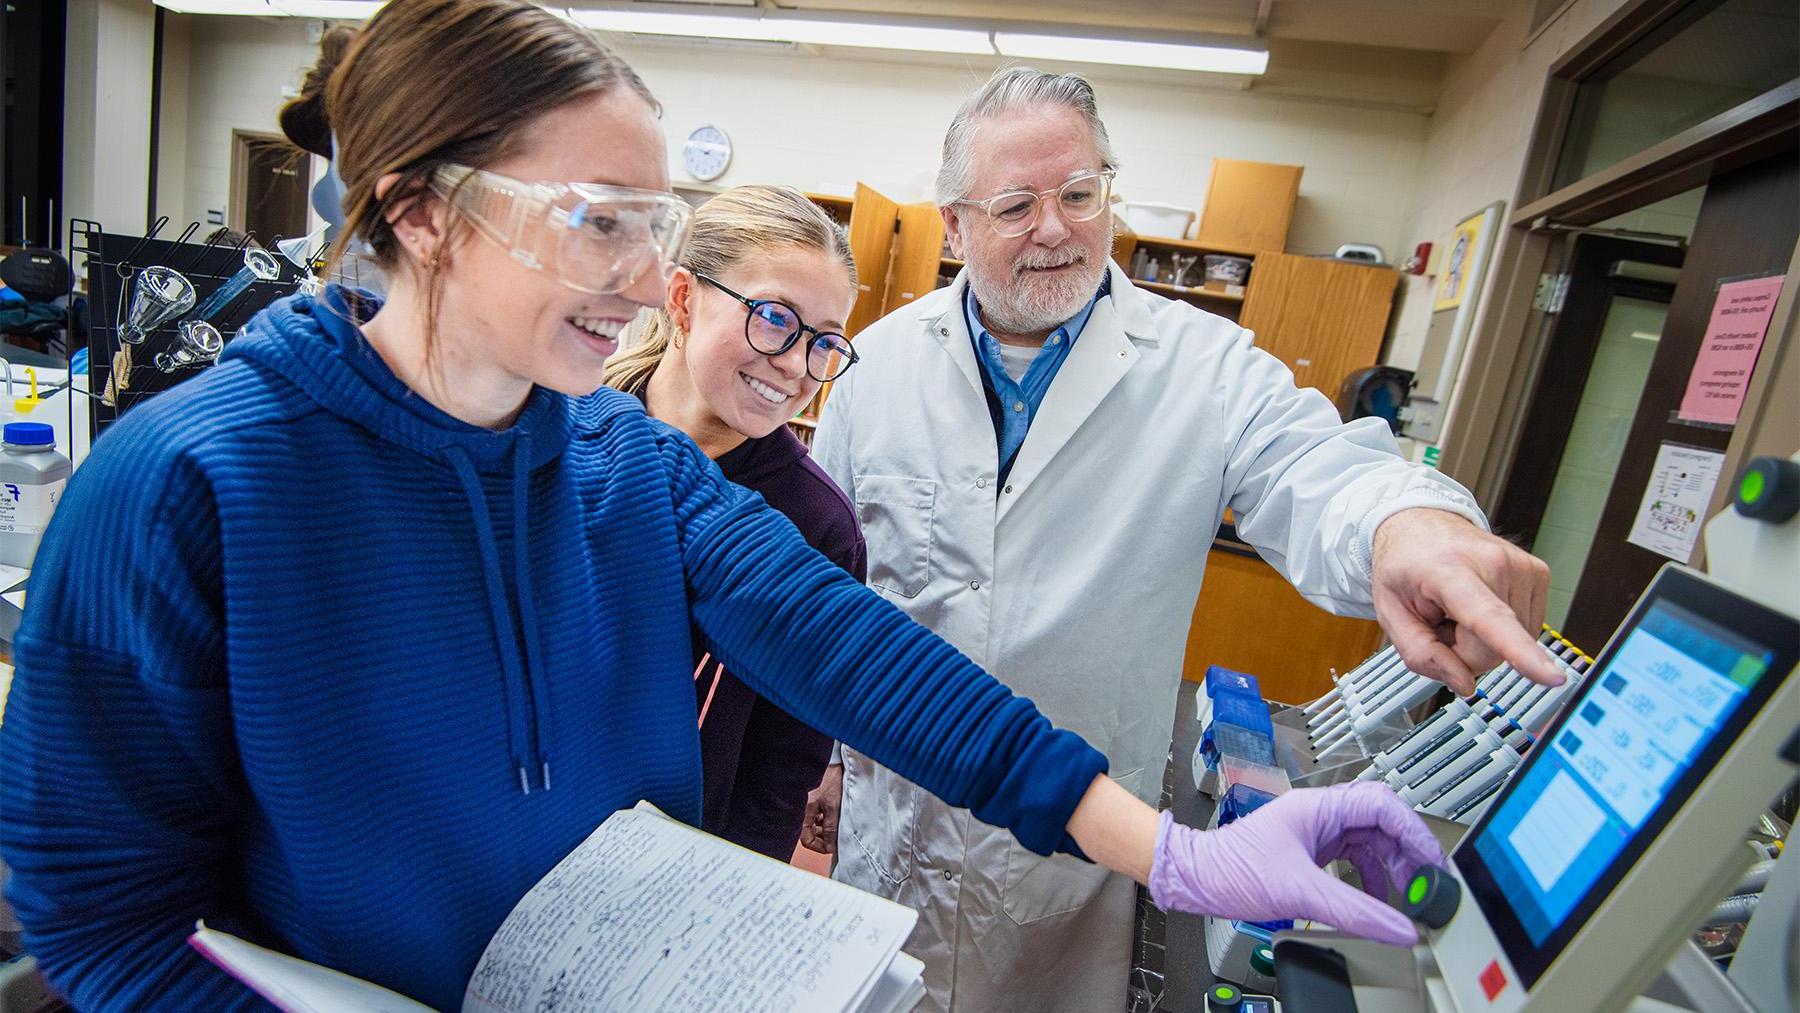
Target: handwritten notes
x=1734 y=337
x=649 y=914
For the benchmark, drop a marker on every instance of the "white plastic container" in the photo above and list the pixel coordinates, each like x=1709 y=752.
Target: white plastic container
x=1152 y=219
x=32 y=476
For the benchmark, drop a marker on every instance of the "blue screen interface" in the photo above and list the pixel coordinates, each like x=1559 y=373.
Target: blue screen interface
x=1653 y=709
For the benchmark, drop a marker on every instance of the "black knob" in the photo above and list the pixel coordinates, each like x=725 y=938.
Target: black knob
x=1223 y=998
x=1769 y=489
x=1431 y=897
x=1262 y=961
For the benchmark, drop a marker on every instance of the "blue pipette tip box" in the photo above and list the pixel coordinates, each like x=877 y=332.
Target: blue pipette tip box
x=1239 y=723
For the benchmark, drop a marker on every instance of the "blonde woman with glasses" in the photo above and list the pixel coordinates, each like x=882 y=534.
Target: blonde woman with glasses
x=751 y=327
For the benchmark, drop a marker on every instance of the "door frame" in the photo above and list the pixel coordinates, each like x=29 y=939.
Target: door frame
x=236 y=208
x=1482 y=421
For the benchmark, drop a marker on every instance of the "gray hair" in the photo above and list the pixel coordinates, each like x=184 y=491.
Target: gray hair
x=1013 y=88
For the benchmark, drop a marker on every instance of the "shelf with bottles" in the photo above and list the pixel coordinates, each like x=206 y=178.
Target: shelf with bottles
x=1177 y=268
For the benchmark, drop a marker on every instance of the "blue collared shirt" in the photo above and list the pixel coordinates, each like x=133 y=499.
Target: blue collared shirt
x=1019 y=401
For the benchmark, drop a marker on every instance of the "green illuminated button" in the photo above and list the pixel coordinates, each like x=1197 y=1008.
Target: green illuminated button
x=1432 y=897
x=1769 y=489
x=1224 y=999
x=1751 y=489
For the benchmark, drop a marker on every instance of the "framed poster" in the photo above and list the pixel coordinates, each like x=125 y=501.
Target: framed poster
x=1455 y=299
x=1460 y=260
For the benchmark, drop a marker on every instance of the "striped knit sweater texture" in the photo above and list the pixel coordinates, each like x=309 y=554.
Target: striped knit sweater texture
x=321 y=665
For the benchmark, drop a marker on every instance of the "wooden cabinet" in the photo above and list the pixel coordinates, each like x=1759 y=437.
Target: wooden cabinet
x=1249 y=205
x=897 y=248
x=1252 y=620
x=918 y=255
x=1323 y=318
x=873 y=217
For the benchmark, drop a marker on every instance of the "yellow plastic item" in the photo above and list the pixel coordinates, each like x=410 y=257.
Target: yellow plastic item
x=26 y=405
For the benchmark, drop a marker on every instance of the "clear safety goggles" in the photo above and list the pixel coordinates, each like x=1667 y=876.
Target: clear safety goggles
x=596 y=238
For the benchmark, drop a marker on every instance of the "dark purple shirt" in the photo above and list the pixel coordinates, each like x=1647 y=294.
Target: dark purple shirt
x=761 y=762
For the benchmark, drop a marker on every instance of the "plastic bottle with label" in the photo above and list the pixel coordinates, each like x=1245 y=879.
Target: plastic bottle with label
x=32 y=476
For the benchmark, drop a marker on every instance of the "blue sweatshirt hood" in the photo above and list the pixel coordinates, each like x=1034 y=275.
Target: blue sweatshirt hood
x=316 y=343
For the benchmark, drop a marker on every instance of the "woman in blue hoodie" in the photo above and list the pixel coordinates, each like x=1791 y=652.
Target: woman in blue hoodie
x=343 y=644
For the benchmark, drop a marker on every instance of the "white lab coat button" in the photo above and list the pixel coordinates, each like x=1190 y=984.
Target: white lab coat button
x=974 y=585
x=948 y=875
x=1009 y=490
x=981 y=483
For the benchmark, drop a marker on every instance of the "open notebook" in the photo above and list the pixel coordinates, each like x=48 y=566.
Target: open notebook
x=647 y=913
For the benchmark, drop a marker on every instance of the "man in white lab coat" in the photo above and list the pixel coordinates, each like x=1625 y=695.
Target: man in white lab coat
x=1040 y=455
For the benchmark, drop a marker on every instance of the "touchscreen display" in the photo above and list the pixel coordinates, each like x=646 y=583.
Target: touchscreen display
x=1676 y=689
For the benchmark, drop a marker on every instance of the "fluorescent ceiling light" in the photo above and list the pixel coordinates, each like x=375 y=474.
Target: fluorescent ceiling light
x=220 y=7
x=334 y=10
x=878 y=36
x=866 y=35
x=869 y=34
x=1208 y=59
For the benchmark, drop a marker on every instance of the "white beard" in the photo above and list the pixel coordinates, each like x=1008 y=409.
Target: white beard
x=1025 y=303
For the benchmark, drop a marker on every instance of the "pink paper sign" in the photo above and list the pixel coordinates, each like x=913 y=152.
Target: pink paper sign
x=1734 y=336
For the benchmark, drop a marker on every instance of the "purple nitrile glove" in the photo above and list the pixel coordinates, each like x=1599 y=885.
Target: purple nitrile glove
x=1267 y=865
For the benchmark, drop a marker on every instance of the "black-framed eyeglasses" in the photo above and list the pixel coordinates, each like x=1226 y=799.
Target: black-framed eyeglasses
x=1080 y=199
x=772 y=327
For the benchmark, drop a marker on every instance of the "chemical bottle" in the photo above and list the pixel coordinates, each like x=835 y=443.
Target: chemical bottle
x=32 y=476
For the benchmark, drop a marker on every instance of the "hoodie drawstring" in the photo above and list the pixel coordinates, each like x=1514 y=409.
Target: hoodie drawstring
x=538 y=696
x=522 y=728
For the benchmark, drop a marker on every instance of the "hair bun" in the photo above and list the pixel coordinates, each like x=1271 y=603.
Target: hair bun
x=304 y=119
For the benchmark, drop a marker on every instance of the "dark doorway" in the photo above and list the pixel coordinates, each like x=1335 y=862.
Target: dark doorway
x=270 y=182
x=33 y=44
x=1598 y=358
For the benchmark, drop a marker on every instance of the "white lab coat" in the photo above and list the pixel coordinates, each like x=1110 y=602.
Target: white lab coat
x=1074 y=583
